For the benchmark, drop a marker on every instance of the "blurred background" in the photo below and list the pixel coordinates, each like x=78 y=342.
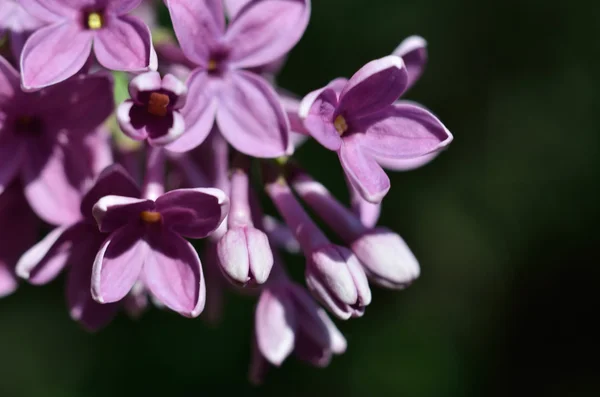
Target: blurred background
x=504 y=223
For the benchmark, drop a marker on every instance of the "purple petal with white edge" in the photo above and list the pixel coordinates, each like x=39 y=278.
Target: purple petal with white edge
x=112 y=180
x=199 y=26
x=113 y=212
x=173 y=273
x=193 y=213
x=265 y=31
x=308 y=313
x=338 y=85
x=51 y=10
x=413 y=51
x=318 y=111
x=124 y=118
x=16 y=239
x=144 y=82
x=275 y=324
x=337 y=341
x=403 y=131
x=172 y=133
x=54 y=178
x=331 y=266
x=407 y=164
x=232 y=249
x=120 y=7
x=375 y=86
x=53 y=54
x=125 y=44
x=360 y=281
x=365 y=174
x=45 y=260
x=199 y=114
x=118 y=264
x=251 y=117
x=178 y=88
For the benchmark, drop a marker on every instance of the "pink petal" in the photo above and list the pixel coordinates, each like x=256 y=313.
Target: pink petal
x=50 y=10
x=173 y=273
x=233 y=7
x=175 y=86
x=199 y=113
x=173 y=132
x=365 y=174
x=113 y=212
x=413 y=51
x=125 y=44
x=265 y=31
x=53 y=54
x=406 y=164
x=193 y=213
x=275 y=324
x=403 y=131
x=376 y=85
x=318 y=111
x=118 y=264
x=120 y=7
x=251 y=117
x=199 y=26
x=124 y=119
x=367 y=212
x=149 y=81
x=9 y=82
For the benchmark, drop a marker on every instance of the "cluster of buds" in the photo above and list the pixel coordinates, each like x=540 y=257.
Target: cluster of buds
x=205 y=131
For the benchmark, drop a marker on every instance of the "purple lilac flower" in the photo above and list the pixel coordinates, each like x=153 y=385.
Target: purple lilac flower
x=152 y=113
x=244 y=105
x=76 y=245
x=385 y=256
x=60 y=49
x=48 y=140
x=146 y=242
x=244 y=251
x=364 y=124
x=333 y=274
x=18 y=23
x=18 y=232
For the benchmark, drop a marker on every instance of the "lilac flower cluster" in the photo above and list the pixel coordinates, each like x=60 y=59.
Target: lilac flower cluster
x=210 y=129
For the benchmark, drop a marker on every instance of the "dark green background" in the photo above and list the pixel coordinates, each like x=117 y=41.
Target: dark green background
x=504 y=223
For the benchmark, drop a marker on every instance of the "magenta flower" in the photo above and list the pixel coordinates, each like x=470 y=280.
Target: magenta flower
x=18 y=23
x=244 y=105
x=333 y=274
x=48 y=140
x=18 y=231
x=364 y=124
x=59 y=50
x=146 y=243
x=152 y=113
x=76 y=245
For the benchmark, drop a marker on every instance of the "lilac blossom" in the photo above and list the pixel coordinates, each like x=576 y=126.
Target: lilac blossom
x=75 y=245
x=146 y=242
x=49 y=137
x=61 y=48
x=363 y=124
x=18 y=23
x=333 y=274
x=152 y=113
x=384 y=255
x=244 y=105
x=18 y=231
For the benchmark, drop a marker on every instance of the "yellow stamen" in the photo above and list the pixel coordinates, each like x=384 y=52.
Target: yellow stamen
x=95 y=21
x=150 y=216
x=157 y=104
x=340 y=124
x=212 y=65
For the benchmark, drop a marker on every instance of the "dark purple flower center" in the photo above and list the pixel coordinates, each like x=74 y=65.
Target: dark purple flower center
x=218 y=61
x=28 y=125
x=150 y=216
x=158 y=104
x=93 y=19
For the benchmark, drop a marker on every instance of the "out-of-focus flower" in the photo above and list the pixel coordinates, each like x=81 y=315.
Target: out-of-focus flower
x=18 y=23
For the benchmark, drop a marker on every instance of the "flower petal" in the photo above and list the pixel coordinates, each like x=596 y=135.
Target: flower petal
x=167 y=133
x=233 y=7
x=125 y=113
x=199 y=26
x=125 y=44
x=176 y=87
x=50 y=10
x=9 y=83
x=406 y=164
x=194 y=213
x=13 y=149
x=149 y=81
x=365 y=174
x=251 y=117
x=173 y=273
x=120 y=7
x=199 y=114
x=265 y=31
x=318 y=111
x=367 y=212
x=113 y=212
x=275 y=324
x=413 y=51
x=112 y=180
x=403 y=131
x=118 y=264
x=53 y=54
x=376 y=85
